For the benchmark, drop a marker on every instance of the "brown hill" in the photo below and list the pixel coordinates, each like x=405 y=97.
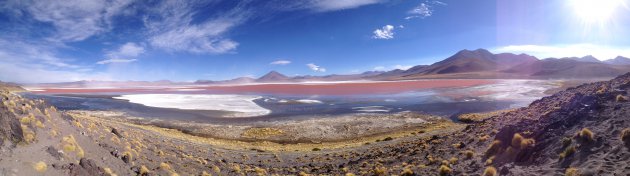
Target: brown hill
x=567 y=68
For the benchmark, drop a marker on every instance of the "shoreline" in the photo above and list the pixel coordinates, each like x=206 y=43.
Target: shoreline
x=318 y=133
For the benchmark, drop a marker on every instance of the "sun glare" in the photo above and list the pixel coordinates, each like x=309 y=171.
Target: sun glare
x=596 y=11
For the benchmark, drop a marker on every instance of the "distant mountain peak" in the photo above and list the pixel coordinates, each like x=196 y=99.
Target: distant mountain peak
x=273 y=76
x=619 y=60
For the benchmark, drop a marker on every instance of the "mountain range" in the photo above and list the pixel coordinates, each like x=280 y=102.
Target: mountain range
x=465 y=64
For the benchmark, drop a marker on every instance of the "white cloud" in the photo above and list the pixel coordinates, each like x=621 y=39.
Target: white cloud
x=383 y=68
x=129 y=49
x=402 y=67
x=75 y=20
x=423 y=10
x=316 y=67
x=109 y=61
x=124 y=54
x=171 y=28
x=574 y=50
x=387 y=32
x=379 y=68
x=280 y=62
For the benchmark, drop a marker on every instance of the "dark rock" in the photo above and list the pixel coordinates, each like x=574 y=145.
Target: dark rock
x=117 y=133
x=85 y=167
x=126 y=158
x=54 y=152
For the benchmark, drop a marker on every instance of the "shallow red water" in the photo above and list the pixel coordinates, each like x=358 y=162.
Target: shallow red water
x=298 y=89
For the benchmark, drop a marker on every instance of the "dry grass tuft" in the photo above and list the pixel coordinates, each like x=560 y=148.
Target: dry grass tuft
x=379 y=171
x=526 y=143
x=406 y=172
x=490 y=171
x=165 y=166
x=621 y=98
x=445 y=170
x=40 y=167
x=484 y=138
x=625 y=136
x=569 y=151
x=572 y=172
x=143 y=170
x=585 y=135
x=516 y=139
x=494 y=148
x=469 y=154
x=566 y=142
x=109 y=172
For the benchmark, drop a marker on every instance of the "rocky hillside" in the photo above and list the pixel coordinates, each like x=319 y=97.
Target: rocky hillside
x=583 y=129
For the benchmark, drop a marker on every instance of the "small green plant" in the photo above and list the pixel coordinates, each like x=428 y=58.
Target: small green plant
x=316 y=149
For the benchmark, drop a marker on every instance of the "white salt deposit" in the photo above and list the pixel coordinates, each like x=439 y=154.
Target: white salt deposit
x=241 y=105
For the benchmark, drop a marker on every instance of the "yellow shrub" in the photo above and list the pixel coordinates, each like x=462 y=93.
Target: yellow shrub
x=40 y=166
x=586 y=135
x=445 y=170
x=572 y=172
x=490 y=171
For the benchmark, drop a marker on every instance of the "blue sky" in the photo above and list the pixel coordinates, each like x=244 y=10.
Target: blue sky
x=186 y=40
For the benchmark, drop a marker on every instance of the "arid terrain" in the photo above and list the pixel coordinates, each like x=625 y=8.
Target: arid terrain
x=580 y=130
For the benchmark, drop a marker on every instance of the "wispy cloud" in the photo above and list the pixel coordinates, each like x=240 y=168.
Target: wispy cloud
x=573 y=50
x=280 y=62
x=30 y=62
x=424 y=10
x=324 y=5
x=171 y=28
x=74 y=20
x=316 y=68
x=109 y=61
x=386 y=32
